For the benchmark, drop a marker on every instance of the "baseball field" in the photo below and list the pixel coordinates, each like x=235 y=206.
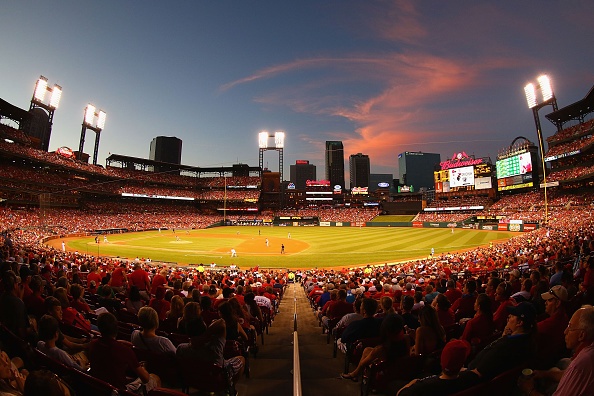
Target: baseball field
x=304 y=247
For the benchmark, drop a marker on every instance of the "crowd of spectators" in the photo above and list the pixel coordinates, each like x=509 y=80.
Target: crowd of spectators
x=448 y=216
x=333 y=214
x=515 y=269
x=460 y=202
x=568 y=147
x=510 y=303
x=572 y=131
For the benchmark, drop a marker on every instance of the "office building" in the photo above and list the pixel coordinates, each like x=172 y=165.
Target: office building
x=335 y=163
x=301 y=172
x=359 y=170
x=416 y=169
x=380 y=180
x=166 y=149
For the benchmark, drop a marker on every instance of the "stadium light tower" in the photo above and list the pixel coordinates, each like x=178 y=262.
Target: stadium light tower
x=95 y=121
x=279 y=145
x=47 y=102
x=548 y=98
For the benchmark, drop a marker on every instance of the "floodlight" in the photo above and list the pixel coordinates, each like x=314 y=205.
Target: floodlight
x=530 y=92
x=545 y=87
x=56 y=95
x=279 y=139
x=263 y=139
x=89 y=114
x=40 y=89
x=101 y=119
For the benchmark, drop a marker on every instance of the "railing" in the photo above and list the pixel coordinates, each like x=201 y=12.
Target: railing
x=296 y=363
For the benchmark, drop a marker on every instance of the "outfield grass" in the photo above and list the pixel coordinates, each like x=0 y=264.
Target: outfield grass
x=308 y=247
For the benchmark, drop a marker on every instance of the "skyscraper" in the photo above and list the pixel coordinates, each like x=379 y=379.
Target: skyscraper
x=335 y=163
x=166 y=149
x=359 y=170
x=416 y=169
x=301 y=172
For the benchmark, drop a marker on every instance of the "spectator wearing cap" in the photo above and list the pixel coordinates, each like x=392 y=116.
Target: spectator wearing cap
x=453 y=356
x=515 y=346
x=551 y=340
x=578 y=378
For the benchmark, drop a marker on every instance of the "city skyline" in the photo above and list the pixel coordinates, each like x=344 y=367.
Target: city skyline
x=382 y=77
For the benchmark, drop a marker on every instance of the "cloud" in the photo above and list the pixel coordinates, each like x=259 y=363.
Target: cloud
x=396 y=99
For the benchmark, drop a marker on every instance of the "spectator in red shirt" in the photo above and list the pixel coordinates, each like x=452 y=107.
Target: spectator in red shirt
x=119 y=281
x=452 y=293
x=35 y=303
x=140 y=279
x=160 y=279
x=480 y=328
x=464 y=306
x=444 y=311
x=503 y=296
x=111 y=360
x=94 y=275
x=159 y=304
x=550 y=331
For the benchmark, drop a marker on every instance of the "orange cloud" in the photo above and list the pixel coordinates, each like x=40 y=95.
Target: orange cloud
x=392 y=99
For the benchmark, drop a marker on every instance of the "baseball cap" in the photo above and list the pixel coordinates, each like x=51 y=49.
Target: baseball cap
x=559 y=292
x=523 y=310
x=515 y=273
x=454 y=355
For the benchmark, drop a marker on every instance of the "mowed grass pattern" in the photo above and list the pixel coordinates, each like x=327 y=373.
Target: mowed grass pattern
x=308 y=247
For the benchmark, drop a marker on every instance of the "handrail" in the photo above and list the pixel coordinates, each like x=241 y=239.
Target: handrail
x=294 y=309
x=296 y=366
x=296 y=363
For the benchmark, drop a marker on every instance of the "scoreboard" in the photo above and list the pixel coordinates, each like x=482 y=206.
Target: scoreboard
x=515 y=171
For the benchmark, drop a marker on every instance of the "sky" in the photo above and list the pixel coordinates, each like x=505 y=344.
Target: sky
x=384 y=77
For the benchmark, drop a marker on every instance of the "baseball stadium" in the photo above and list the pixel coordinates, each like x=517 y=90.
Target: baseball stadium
x=135 y=234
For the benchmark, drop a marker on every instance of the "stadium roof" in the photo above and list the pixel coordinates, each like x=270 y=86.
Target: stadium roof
x=13 y=112
x=143 y=163
x=575 y=111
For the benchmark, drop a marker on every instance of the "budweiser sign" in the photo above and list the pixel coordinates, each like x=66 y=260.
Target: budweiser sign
x=459 y=160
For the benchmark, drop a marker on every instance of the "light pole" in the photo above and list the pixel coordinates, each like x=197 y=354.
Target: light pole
x=548 y=98
x=279 y=145
x=95 y=122
x=39 y=100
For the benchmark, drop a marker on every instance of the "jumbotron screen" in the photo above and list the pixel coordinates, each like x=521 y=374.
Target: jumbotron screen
x=515 y=172
x=460 y=177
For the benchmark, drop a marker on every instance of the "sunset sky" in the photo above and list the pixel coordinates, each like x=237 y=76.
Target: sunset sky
x=382 y=76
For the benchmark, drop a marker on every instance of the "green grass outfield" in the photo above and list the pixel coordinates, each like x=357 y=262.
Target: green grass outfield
x=308 y=247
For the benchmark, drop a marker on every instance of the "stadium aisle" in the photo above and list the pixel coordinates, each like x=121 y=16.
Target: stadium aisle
x=319 y=370
x=270 y=372
x=271 y=369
